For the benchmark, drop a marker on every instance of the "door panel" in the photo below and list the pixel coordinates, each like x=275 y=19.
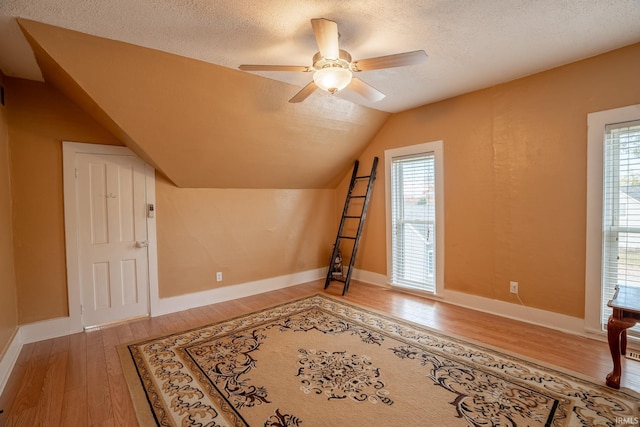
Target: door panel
x=101 y=286
x=98 y=203
x=111 y=219
x=129 y=279
x=126 y=204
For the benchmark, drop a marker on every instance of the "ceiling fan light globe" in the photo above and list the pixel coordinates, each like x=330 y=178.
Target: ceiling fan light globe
x=332 y=79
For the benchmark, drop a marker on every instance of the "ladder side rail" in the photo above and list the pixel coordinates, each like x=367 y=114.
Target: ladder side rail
x=363 y=216
x=336 y=245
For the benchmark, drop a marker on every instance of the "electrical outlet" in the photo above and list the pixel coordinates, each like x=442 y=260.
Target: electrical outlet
x=219 y=276
x=513 y=287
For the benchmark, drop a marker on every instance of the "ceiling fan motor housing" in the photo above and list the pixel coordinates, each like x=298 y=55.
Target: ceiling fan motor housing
x=344 y=61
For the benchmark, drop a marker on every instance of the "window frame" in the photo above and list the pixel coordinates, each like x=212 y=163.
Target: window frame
x=434 y=147
x=596 y=123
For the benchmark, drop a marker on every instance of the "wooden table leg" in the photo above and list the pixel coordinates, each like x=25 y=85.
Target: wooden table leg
x=613 y=336
x=617 y=337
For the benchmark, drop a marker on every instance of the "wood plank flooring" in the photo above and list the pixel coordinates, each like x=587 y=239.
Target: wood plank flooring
x=77 y=380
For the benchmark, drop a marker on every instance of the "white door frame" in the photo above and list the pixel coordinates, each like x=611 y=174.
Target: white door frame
x=69 y=151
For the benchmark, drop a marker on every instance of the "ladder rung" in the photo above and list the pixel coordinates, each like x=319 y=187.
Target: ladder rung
x=338 y=280
x=353 y=216
x=347 y=237
x=363 y=177
x=357 y=197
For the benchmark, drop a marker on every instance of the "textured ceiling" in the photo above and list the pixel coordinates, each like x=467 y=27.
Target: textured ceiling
x=471 y=44
x=162 y=75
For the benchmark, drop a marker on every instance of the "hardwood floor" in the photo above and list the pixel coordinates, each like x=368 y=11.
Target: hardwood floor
x=77 y=380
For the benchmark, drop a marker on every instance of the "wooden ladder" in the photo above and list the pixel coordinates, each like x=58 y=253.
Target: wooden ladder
x=339 y=276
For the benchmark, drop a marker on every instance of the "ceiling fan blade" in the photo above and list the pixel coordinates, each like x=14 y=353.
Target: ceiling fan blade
x=326 y=33
x=274 y=68
x=304 y=93
x=390 y=61
x=367 y=91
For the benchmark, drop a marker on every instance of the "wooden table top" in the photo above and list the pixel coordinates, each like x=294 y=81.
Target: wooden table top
x=626 y=298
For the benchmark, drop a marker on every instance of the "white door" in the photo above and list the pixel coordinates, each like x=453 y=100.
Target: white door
x=112 y=237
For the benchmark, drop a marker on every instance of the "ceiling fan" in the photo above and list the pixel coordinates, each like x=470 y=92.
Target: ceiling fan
x=333 y=67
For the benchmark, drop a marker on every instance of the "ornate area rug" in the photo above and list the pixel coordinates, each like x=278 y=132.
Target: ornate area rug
x=320 y=361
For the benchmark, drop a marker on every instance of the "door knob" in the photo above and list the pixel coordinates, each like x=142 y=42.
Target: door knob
x=142 y=243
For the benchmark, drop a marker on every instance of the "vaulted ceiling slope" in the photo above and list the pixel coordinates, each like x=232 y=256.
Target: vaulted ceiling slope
x=203 y=125
x=471 y=44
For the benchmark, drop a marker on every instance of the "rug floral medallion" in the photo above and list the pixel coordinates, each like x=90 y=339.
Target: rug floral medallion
x=320 y=361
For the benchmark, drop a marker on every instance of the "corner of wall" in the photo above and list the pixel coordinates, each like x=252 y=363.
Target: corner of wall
x=8 y=359
x=9 y=334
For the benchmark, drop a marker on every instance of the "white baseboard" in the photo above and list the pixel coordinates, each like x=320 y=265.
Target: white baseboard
x=370 y=277
x=226 y=293
x=61 y=326
x=47 y=329
x=549 y=319
x=560 y=322
x=29 y=333
x=9 y=358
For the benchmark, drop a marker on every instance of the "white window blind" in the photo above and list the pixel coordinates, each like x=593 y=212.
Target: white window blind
x=413 y=211
x=621 y=211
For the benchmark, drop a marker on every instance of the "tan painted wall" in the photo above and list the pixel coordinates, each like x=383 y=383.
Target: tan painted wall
x=515 y=179
x=40 y=118
x=8 y=302
x=247 y=234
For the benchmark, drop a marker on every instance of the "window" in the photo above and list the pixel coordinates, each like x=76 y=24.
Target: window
x=415 y=216
x=613 y=210
x=621 y=210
